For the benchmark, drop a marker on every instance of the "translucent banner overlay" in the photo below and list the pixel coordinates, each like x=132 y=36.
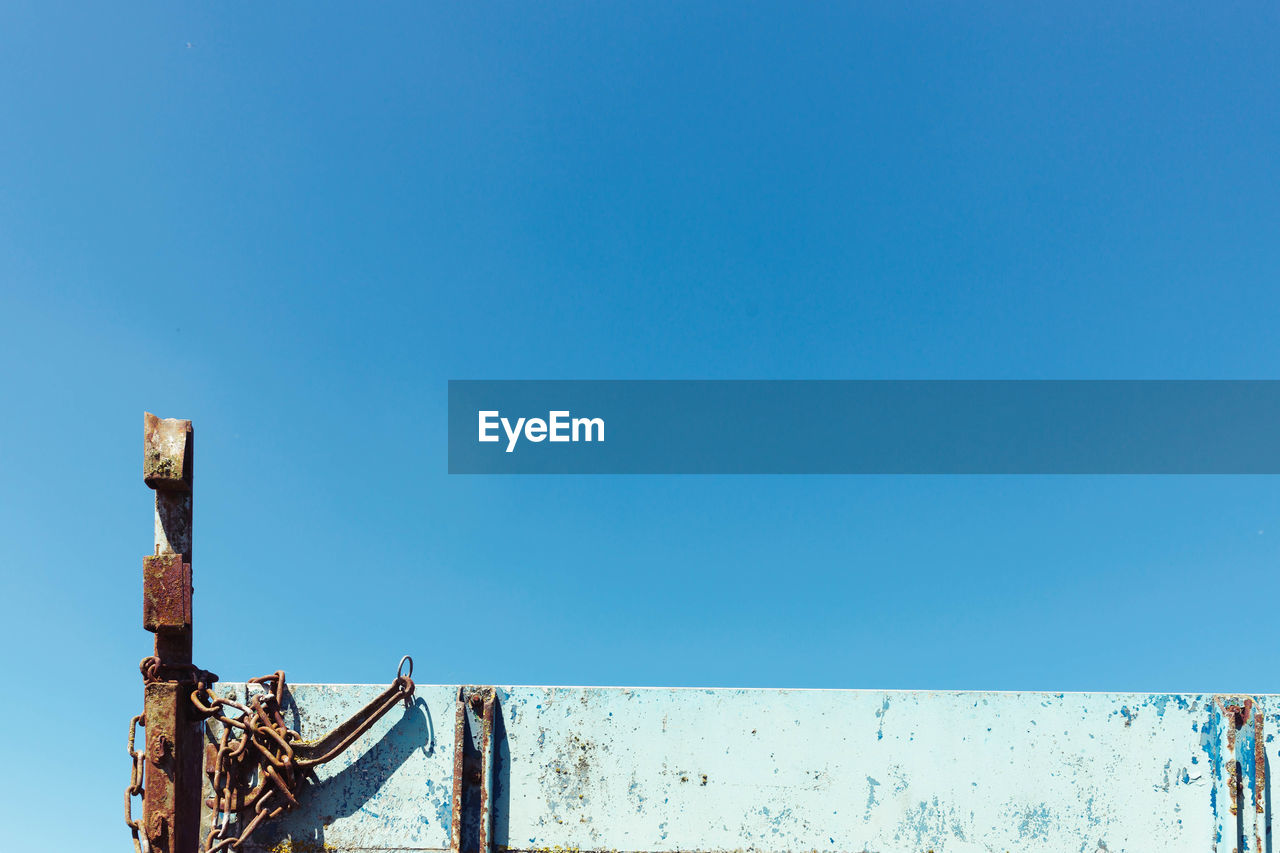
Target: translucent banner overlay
x=864 y=427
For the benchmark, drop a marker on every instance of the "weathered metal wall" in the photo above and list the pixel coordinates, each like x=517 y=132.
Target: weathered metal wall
x=681 y=769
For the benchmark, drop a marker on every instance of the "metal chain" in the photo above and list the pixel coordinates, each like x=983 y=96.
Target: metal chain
x=261 y=763
x=139 y=758
x=236 y=765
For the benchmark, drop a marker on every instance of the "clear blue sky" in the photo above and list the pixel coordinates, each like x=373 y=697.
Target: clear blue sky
x=293 y=223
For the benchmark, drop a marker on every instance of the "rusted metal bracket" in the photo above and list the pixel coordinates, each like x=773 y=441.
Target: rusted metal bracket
x=166 y=594
x=473 y=758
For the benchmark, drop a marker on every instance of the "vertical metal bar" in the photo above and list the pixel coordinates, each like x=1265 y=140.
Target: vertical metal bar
x=159 y=802
x=171 y=801
x=459 y=769
x=1237 y=755
x=473 y=764
x=486 y=771
x=1251 y=747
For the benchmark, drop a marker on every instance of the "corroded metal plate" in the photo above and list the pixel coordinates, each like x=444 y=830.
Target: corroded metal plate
x=668 y=770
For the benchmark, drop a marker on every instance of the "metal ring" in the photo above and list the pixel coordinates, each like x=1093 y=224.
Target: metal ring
x=400 y=673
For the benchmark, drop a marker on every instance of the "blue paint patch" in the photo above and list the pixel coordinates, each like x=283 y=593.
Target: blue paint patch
x=1036 y=822
x=443 y=805
x=872 y=784
x=1211 y=743
x=1246 y=741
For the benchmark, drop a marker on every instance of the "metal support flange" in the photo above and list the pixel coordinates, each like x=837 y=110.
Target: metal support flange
x=473 y=760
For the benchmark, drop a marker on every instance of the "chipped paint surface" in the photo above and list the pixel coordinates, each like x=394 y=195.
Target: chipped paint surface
x=842 y=770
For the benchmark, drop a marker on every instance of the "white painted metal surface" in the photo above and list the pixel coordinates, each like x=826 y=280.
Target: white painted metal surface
x=666 y=770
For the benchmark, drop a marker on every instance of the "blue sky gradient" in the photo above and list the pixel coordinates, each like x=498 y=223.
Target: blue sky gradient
x=293 y=223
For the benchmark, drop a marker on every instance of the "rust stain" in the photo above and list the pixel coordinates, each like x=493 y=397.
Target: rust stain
x=459 y=732
x=1259 y=763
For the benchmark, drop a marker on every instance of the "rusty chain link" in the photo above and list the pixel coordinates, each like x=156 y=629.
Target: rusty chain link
x=260 y=763
x=139 y=759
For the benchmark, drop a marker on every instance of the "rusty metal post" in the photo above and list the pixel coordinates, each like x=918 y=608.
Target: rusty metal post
x=174 y=748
